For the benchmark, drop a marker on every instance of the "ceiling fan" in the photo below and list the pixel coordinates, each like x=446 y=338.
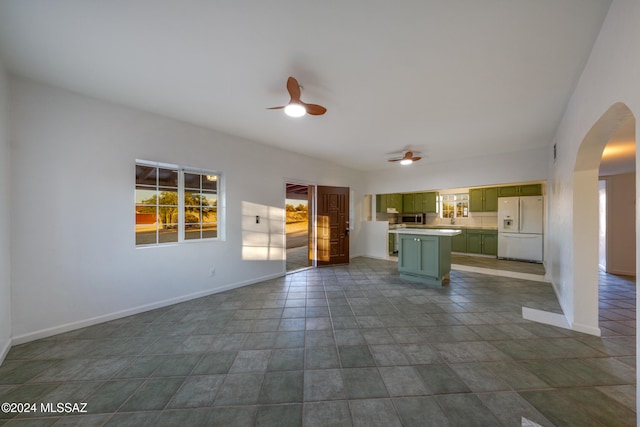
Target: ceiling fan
x=297 y=108
x=407 y=158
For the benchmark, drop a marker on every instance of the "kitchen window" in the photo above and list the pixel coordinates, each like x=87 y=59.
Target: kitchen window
x=175 y=204
x=454 y=205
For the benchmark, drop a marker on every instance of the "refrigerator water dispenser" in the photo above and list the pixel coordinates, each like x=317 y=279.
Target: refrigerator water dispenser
x=508 y=224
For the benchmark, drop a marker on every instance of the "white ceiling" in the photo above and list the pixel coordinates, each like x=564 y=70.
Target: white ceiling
x=449 y=78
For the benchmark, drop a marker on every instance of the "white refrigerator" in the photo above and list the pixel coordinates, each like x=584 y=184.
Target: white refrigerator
x=520 y=228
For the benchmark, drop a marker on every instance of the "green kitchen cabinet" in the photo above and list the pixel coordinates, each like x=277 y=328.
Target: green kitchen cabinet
x=386 y=201
x=381 y=203
x=423 y=258
x=481 y=241
x=459 y=242
x=408 y=203
x=490 y=242
x=430 y=202
x=419 y=202
x=520 y=190
x=394 y=201
x=483 y=199
x=531 y=190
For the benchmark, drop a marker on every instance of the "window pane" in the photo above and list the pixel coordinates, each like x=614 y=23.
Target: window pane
x=192 y=180
x=192 y=233
x=146 y=175
x=145 y=196
x=168 y=197
x=167 y=177
x=168 y=214
x=145 y=234
x=191 y=216
x=191 y=198
x=209 y=215
x=209 y=231
x=210 y=182
x=168 y=234
x=209 y=199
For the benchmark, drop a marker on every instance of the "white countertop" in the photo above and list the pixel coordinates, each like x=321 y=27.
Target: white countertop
x=427 y=232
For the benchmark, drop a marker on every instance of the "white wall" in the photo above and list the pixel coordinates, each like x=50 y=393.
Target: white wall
x=621 y=224
x=608 y=84
x=5 y=227
x=74 y=256
x=522 y=166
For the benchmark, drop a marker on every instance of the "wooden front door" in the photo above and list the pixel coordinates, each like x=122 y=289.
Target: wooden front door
x=332 y=219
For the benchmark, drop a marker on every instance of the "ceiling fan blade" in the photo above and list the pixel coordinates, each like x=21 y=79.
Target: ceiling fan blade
x=294 y=89
x=276 y=108
x=314 y=109
x=394 y=160
x=415 y=159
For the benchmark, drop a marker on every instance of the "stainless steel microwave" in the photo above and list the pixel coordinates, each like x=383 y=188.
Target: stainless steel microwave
x=412 y=218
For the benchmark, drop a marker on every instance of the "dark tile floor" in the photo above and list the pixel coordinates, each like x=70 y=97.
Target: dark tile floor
x=342 y=346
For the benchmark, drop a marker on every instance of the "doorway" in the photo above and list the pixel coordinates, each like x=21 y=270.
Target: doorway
x=317 y=225
x=588 y=169
x=298 y=229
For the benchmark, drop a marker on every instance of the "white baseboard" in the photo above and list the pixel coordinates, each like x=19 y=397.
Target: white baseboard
x=621 y=272
x=586 y=329
x=60 y=329
x=557 y=319
x=546 y=317
x=4 y=350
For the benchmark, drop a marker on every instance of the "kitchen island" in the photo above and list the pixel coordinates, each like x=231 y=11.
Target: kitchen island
x=424 y=255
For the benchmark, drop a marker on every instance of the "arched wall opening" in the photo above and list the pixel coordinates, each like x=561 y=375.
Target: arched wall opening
x=586 y=215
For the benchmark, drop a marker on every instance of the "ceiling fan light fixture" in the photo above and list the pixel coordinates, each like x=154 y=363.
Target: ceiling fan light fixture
x=406 y=161
x=295 y=110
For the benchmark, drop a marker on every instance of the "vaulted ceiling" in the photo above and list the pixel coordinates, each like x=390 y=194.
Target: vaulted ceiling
x=447 y=78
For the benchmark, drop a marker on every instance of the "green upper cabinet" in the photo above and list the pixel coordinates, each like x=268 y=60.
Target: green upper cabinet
x=386 y=201
x=483 y=199
x=408 y=203
x=381 y=203
x=531 y=190
x=394 y=201
x=430 y=202
x=520 y=190
x=419 y=202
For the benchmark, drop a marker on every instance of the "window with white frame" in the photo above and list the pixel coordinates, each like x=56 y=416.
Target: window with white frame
x=175 y=204
x=454 y=205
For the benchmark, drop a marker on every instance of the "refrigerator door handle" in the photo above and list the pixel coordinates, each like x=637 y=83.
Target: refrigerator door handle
x=519 y=215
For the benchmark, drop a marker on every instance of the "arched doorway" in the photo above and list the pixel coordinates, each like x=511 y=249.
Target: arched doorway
x=585 y=216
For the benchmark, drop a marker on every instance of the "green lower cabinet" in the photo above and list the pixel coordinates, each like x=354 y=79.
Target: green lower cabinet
x=490 y=243
x=483 y=242
x=425 y=259
x=459 y=242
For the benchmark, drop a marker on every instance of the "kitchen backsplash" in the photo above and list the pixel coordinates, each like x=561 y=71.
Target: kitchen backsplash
x=478 y=219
